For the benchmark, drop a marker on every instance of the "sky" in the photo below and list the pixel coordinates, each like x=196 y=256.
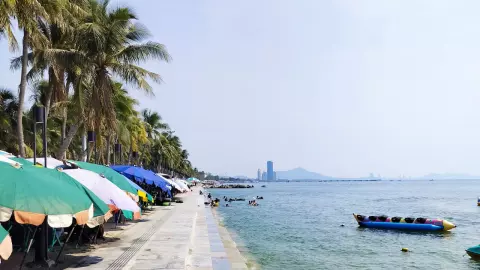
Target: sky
x=341 y=87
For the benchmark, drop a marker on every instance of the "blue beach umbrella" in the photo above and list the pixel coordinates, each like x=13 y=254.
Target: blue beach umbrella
x=142 y=175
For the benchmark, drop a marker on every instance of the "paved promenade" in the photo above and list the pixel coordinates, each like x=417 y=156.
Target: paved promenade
x=182 y=236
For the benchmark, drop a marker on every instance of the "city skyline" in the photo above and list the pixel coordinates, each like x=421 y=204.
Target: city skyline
x=269 y=174
x=270 y=170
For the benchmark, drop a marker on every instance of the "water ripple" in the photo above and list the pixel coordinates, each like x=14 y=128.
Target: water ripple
x=297 y=225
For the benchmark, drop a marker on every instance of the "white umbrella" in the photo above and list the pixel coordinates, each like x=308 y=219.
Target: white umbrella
x=180 y=183
x=52 y=163
x=171 y=182
x=7 y=160
x=113 y=196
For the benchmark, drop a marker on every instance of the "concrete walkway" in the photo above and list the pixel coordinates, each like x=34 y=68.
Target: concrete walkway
x=183 y=236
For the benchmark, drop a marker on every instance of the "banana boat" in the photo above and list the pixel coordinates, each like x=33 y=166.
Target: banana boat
x=400 y=223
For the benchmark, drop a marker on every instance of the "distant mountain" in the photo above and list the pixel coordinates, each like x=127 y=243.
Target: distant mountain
x=301 y=174
x=453 y=176
x=241 y=177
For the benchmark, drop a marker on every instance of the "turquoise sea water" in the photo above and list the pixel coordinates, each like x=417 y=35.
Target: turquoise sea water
x=298 y=225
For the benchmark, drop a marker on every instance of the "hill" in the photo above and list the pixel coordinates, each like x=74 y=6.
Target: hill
x=301 y=174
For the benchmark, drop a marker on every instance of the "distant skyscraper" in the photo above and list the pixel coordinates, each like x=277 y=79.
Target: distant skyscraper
x=259 y=175
x=274 y=176
x=264 y=176
x=269 y=170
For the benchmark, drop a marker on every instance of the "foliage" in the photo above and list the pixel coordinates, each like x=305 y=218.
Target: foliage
x=81 y=57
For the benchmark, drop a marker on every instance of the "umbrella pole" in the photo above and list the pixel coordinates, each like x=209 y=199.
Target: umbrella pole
x=80 y=236
x=41 y=243
x=65 y=243
x=28 y=247
x=98 y=230
x=117 y=217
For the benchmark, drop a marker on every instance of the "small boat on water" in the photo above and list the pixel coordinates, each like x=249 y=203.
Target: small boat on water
x=474 y=252
x=478 y=201
x=264 y=186
x=400 y=223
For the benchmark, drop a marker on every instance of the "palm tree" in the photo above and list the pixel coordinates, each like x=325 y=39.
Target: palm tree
x=27 y=13
x=111 y=45
x=125 y=111
x=82 y=45
x=8 y=112
x=154 y=123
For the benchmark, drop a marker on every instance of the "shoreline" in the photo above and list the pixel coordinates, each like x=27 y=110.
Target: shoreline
x=235 y=254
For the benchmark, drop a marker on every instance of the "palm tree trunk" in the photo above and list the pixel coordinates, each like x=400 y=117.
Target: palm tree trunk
x=130 y=155
x=21 y=94
x=84 y=147
x=142 y=155
x=64 y=124
x=68 y=140
x=109 y=138
x=49 y=94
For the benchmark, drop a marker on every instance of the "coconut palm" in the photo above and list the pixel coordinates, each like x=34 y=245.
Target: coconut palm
x=154 y=123
x=27 y=13
x=112 y=45
x=82 y=48
x=8 y=112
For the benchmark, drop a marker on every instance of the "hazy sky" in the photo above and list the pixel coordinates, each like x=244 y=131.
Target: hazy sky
x=344 y=88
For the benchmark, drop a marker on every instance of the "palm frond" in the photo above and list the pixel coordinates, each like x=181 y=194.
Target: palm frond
x=142 y=52
x=136 y=76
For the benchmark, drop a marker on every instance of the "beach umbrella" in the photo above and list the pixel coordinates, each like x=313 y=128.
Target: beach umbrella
x=182 y=184
x=141 y=192
x=5 y=244
x=112 y=176
x=32 y=194
x=114 y=197
x=192 y=179
x=7 y=160
x=142 y=175
x=5 y=153
x=52 y=163
x=172 y=183
x=109 y=193
x=101 y=211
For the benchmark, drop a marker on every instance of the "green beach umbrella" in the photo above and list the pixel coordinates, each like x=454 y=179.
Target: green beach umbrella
x=5 y=244
x=114 y=177
x=101 y=211
x=32 y=193
x=111 y=175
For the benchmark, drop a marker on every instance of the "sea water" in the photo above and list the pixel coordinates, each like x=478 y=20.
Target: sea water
x=298 y=225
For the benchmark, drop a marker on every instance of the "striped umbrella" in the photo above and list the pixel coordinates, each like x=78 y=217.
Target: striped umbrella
x=5 y=244
x=32 y=194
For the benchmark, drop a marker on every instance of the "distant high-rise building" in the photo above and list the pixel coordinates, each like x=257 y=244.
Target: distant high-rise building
x=269 y=170
x=259 y=175
x=264 y=176
x=274 y=176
